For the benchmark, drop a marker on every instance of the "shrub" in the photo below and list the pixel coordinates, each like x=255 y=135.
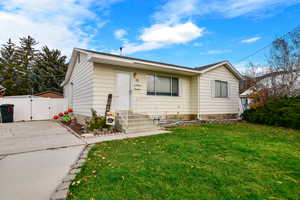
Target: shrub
x=280 y=112
x=96 y=122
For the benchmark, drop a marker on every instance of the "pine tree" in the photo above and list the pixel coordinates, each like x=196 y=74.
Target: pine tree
x=12 y=76
x=26 y=54
x=49 y=70
x=26 y=70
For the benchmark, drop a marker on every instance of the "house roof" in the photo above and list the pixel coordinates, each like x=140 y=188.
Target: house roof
x=96 y=56
x=204 y=67
x=49 y=92
x=131 y=58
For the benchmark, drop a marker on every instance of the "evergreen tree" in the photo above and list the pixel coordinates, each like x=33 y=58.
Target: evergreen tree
x=49 y=70
x=12 y=75
x=26 y=54
x=26 y=70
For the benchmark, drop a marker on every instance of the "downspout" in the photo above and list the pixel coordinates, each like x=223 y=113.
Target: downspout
x=198 y=97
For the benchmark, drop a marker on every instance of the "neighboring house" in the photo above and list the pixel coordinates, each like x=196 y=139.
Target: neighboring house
x=2 y=91
x=265 y=82
x=152 y=88
x=50 y=94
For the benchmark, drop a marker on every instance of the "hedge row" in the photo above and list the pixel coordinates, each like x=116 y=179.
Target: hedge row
x=281 y=112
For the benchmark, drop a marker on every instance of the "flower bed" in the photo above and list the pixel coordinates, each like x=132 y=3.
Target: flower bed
x=96 y=126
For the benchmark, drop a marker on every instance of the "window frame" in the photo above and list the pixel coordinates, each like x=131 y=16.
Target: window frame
x=171 y=93
x=221 y=83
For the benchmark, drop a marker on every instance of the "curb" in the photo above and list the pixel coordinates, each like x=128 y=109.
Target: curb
x=62 y=190
x=70 y=130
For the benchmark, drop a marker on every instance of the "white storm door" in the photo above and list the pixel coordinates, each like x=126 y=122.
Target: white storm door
x=123 y=91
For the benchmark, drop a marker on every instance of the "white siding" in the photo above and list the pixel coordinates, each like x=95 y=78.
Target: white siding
x=194 y=94
x=211 y=105
x=104 y=84
x=80 y=94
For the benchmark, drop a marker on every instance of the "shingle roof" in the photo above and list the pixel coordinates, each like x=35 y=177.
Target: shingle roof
x=204 y=67
x=200 y=68
x=131 y=58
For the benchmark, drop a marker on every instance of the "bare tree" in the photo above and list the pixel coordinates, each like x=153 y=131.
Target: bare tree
x=284 y=65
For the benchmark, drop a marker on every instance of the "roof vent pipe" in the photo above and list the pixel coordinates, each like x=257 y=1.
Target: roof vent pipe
x=121 y=51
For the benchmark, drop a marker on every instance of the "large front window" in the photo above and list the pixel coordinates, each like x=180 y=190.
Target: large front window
x=162 y=85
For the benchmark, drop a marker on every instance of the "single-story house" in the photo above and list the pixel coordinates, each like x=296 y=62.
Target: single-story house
x=151 y=88
x=50 y=94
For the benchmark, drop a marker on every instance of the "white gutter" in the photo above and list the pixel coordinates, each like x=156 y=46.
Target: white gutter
x=198 y=95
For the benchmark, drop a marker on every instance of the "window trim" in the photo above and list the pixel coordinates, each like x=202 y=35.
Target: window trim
x=227 y=87
x=171 y=86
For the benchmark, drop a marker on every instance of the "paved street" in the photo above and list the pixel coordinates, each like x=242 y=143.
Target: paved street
x=34 y=158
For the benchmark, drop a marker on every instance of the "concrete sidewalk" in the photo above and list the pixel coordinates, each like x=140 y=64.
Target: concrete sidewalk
x=93 y=140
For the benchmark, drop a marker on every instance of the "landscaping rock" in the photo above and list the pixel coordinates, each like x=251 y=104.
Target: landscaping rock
x=80 y=162
x=87 y=135
x=75 y=171
x=59 y=195
x=69 y=177
x=63 y=186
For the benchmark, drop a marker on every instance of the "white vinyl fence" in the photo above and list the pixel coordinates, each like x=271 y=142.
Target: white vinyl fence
x=35 y=108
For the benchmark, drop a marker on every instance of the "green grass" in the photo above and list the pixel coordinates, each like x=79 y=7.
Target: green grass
x=240 y=161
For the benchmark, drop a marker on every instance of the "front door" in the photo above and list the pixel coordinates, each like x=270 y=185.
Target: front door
x=123 y=91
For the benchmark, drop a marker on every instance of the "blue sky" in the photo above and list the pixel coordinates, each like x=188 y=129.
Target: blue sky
x=183 y=32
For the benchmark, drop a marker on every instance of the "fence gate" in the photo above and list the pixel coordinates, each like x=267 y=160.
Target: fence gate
x=28 y=108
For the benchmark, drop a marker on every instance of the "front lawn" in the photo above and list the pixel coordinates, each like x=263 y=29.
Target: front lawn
x=240 y=161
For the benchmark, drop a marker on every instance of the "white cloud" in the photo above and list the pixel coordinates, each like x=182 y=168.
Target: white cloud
x=175 y=10
x=197 y=44
x=215 y=52
x=250 y=40
x=120 y=33
x=177 y=34
x=179 y=13
x=160 y=35
x=61 y=24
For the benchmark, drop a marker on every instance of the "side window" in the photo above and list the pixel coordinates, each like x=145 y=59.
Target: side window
x=221 y=89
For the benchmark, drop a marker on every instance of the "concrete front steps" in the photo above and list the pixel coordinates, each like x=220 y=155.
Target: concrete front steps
x=138 y=123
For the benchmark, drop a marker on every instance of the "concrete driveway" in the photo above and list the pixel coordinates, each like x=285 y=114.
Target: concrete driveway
x=34 y=158
x=21 y=137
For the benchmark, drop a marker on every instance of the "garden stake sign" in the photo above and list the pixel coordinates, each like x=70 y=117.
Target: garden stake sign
x=108 y=105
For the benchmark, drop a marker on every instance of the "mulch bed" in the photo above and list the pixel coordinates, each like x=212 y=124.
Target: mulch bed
x=78 y=128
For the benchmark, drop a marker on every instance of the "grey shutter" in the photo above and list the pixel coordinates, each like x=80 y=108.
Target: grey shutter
x=212 y=88
x=229 y=89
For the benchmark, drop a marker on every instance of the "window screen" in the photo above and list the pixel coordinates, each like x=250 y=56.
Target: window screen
x=162 y=85
x=221 y=89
